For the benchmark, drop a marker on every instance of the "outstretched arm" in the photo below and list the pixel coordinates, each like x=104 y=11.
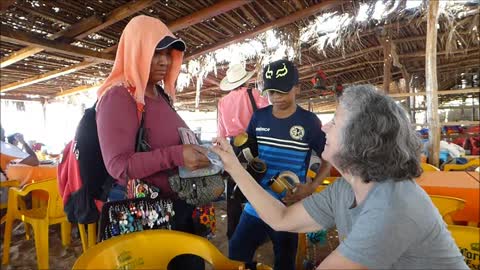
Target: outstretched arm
x=32 y=159
x=278 y=216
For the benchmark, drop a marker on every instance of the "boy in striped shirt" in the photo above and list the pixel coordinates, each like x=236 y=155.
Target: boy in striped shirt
x=286 y=134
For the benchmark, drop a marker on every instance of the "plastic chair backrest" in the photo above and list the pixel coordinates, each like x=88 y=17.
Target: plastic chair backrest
x=326 y=181
x=447 y=205
x=462 y=167
x=55 y=204
x=151 y=250
x=429 y=167
x=468 y=241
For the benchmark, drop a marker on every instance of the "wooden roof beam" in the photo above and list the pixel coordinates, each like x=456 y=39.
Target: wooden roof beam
x=50 y=45
x=440 y=93
x=5 y=4
x=78 y=89
x=206 y=13
x=198 y=16
x=194 y=18
x=46 y=76
x=20 y=98
x=19 y=55
x=260 y=29
x=84 y=28
x=78 y=28
x=117 y=15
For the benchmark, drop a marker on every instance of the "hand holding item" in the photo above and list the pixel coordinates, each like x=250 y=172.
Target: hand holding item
x=225 y=151
x=19 y=138
x=300 y=192
x=195 y=157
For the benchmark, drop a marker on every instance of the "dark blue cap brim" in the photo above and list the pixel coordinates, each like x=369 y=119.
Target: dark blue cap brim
x=171 y=42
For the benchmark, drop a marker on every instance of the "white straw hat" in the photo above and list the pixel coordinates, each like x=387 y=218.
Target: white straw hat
x=236 y=76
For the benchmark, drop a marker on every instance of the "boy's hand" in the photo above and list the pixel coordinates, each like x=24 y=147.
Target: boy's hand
x=300 y=192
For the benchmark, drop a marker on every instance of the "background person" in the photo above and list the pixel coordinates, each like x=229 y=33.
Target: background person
x=234 y=113
x=13 y=151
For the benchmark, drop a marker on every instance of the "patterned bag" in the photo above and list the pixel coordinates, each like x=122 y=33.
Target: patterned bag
x=198 y=191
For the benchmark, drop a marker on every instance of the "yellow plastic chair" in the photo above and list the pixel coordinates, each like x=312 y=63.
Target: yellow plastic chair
x=429 y=167
x=21 y=204
x=39 y=218
x=468 y=241
x=462 y=167
x=447 y=206
x=88 y=239
x=7 y=184
x=153 y=250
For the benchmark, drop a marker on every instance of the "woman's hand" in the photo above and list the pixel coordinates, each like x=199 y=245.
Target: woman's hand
x=226 y=153
x=194 y=157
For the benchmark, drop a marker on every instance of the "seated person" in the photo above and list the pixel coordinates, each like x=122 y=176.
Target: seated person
x=10 y=151
x=384 y=219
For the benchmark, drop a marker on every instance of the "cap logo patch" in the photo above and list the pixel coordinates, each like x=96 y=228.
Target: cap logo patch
x=269 y=73
x=281 y=72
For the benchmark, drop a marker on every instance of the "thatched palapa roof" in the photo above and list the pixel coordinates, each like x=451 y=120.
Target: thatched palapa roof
x=51 y=49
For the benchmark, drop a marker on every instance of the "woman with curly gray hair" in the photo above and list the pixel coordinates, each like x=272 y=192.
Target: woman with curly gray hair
x=384 y=219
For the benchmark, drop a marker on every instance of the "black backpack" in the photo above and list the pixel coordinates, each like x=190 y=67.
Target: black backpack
x=82 y=175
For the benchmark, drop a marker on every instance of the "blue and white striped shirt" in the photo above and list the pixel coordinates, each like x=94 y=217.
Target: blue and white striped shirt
x=285 y=144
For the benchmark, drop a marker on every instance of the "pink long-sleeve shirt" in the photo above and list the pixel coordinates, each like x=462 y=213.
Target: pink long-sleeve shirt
x=235 y=111
x=117 y=125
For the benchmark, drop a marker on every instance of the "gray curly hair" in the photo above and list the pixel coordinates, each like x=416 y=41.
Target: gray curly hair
x=378 y=141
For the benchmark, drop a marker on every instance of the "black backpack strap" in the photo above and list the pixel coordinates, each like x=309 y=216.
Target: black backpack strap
x=141 y=144
x=252 y=100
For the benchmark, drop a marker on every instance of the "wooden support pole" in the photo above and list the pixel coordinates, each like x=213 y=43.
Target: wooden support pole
x=413 y=104
x=387 y=62
x=44 y=114
x=432 y=84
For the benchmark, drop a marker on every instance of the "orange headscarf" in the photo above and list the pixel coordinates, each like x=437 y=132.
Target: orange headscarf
x=134 y=56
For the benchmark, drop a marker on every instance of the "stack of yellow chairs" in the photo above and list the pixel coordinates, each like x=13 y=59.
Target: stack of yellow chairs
x=39 y=218
x=154 y=250
x=447 y=206
x=429 y=167
x=462 y=167
x=468 y=241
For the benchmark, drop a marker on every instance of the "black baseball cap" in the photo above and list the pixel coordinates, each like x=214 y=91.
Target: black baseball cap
x=280 y=76
x=172 y=42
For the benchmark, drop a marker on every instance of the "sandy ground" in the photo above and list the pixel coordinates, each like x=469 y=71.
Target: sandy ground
x=23 y=256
